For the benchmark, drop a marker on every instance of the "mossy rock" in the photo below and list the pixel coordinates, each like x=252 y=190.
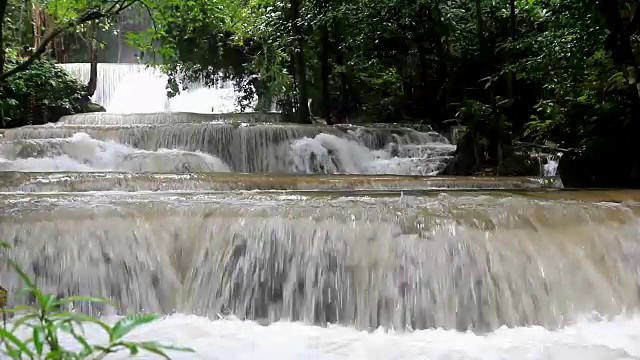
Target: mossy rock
x=520 y=164
x=93 y=107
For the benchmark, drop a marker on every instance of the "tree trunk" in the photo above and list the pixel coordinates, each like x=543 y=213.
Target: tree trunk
x=3 y=11
x=37 y=25
x=325 y=70
x=301 y=66
x=441 y=70
x=343 y=108
x=119 y=41
x=92 y=32
x=510 y=74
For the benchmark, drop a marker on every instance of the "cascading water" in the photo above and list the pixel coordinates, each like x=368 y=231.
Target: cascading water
x=342 y=231
x=134 y=88
x=454 y=262
x=243 y=147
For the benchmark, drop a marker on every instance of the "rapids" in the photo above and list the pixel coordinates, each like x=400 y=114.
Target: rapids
x=240 y=147
x=479 y=275
x=260 y=239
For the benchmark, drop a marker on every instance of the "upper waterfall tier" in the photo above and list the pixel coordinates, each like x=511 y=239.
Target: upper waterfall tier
x=168 y=118
x=199 y=146
x=135 y=88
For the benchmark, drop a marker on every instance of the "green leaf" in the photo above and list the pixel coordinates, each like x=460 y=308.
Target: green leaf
x=91 y=299
x=8 y=338
x=154 y=348
x=175 y=348
x=38 y=339
x=81 y=318
x=124 y=326
x=68 y=327
x=47 y=302
x=132 y=347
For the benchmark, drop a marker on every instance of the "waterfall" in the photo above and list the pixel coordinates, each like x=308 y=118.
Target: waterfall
x=449 y=261
x=135 y=88
x=256 y=238
x=245 y=147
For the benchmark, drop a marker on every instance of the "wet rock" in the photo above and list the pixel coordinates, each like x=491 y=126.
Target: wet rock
x=601 y=169
x=521 y=164
x=469 y=161
x=92 y=107
x=464 y=161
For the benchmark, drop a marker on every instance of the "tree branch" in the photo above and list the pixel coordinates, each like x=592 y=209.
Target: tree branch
x=88 y=16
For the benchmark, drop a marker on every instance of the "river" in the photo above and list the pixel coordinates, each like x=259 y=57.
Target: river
x=257 y=239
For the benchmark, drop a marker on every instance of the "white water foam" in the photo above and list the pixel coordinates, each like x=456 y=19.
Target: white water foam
x=82 y=153
x=326 y=153
x=551 y=167
x=235 y=339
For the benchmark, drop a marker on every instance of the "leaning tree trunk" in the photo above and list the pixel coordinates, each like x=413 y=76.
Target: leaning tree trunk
x=92 y=32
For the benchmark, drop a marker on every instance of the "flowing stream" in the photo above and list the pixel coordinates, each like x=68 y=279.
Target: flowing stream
x=259 y=239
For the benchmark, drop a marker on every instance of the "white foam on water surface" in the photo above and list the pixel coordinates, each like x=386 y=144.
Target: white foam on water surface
x=551 y=167
x=235 y=339
x=81 y=153
x=327 y=153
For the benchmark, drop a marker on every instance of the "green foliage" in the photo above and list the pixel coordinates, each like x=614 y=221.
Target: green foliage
x=398 y=59
x=43 y=324
x=428 y=55
x=32 y=89
x=42 y=93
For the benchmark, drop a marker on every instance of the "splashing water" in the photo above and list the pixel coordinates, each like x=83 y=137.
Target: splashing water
x=456 y=262
x=329 y=154
x=300 y=273
x=82 y=153
x=261 y=148
x=550 y=168
x=442 y=263
x=234 y=339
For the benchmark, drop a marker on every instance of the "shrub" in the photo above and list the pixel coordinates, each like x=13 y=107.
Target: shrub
x=46 y=321
x=42 y=93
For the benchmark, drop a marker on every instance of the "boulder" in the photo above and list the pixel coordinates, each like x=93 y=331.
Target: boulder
x=92 y=107
x=515 y=163
x=88 y=106
x=464 y=160
x=607 y=168
x=521 y=164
